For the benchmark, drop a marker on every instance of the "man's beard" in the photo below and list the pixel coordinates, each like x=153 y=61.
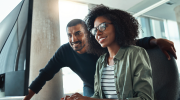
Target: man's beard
x=81 y=48
x=79 y=42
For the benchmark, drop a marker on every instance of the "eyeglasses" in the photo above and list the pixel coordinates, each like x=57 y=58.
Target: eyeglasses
x=101 y=27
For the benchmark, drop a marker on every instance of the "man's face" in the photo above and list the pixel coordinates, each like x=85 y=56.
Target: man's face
x=76 y=38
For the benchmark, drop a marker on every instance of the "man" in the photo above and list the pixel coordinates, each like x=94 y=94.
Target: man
x=73 y=55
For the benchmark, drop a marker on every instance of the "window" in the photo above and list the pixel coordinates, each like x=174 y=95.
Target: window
x=9 y=5
x=174 y=35
x=70 y=10
x=161 y=28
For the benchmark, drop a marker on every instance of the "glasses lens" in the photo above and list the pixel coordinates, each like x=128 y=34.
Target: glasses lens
x=102 y=27
x=93 y=31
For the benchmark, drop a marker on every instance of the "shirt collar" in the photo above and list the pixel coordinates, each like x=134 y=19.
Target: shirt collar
x=103 y=57
x=120 y=53
x=118 y=56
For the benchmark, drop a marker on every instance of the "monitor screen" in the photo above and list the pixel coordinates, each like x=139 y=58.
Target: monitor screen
x=15 y=34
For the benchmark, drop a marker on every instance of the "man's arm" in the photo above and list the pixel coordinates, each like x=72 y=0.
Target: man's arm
x=145 y=42
x=164 y=44
x=48 y=72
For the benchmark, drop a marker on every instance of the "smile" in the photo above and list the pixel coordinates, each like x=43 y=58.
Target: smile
x=76 y=43
x=101 y=39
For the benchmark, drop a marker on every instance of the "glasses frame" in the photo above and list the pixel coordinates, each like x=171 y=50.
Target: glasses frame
x=97 y=28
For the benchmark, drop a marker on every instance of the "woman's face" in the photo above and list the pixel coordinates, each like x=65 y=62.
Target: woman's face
x=107 y=37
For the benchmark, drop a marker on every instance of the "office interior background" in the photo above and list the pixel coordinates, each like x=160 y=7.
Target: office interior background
x=158 y=18
x=157 y=26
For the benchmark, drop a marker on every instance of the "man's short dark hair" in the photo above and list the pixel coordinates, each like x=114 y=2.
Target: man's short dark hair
x=75 y=22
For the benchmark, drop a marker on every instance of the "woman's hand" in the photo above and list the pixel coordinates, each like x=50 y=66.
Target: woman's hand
x=165 y=46
x=76 y=96
x=65 y=98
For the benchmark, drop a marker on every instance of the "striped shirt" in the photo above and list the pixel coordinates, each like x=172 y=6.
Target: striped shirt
x=108 y=82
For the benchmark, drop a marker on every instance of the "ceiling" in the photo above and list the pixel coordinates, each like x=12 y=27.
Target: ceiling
x=120 y=4
x=163 y=11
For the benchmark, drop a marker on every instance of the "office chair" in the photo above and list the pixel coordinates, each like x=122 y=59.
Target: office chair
x=165 y=75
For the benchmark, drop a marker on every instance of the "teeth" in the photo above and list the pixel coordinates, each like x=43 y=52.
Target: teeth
x=101 y=39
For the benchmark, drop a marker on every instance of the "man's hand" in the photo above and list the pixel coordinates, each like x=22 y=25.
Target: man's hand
x=30 y=95
x=165 y=46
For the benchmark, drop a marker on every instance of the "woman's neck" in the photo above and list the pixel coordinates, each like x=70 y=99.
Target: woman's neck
x=113 y=49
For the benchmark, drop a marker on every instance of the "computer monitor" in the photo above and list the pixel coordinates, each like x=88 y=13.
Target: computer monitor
x=15 y=36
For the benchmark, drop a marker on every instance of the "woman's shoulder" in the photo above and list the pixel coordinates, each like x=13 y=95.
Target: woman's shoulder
x=135 y=49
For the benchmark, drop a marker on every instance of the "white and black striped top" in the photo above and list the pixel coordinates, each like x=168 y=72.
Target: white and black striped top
x=108 y=82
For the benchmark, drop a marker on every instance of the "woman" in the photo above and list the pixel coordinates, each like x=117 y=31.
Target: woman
x=123 y=71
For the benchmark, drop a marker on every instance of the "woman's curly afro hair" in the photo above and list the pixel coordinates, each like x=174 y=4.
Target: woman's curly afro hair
x=126 y=28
